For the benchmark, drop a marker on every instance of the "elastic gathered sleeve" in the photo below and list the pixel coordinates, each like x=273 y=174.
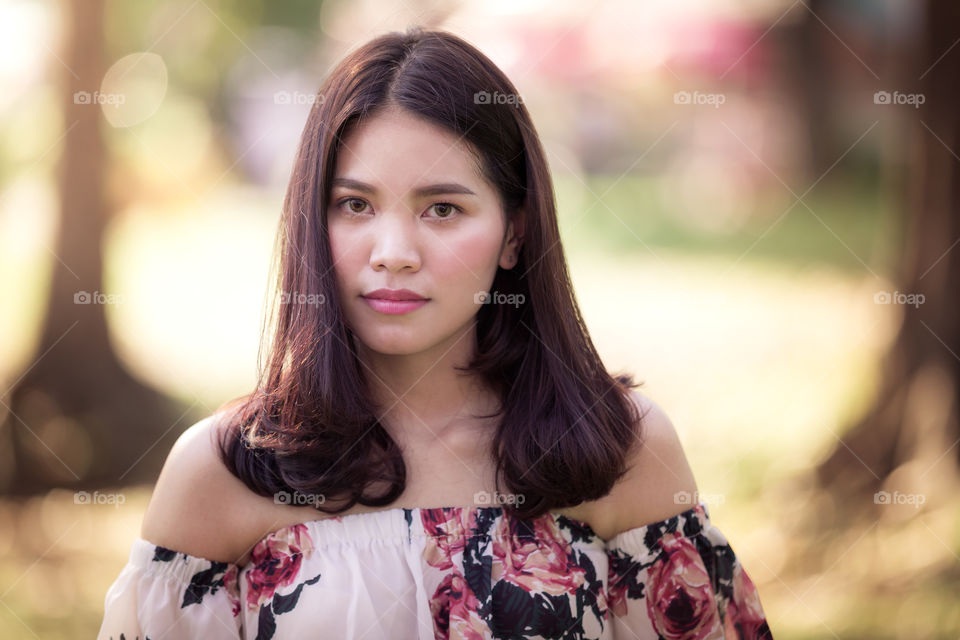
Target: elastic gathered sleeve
x=679 y=579
x=162 y=593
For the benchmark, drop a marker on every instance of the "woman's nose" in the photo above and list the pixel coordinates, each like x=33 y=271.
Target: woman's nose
x=395 y=246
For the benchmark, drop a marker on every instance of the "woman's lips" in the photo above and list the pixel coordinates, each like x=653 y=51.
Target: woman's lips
x=394 y=307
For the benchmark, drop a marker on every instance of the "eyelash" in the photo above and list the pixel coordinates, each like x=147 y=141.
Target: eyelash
x=342 y=202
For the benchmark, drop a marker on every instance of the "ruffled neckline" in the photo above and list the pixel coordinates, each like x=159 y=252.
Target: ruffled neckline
x=397 y=524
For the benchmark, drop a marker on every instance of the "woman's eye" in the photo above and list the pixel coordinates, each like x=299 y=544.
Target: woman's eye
x=354 y=201
x=445 y=210
x=442 y=210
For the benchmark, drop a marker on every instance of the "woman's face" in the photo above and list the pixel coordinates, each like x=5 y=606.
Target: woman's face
x=408 y=210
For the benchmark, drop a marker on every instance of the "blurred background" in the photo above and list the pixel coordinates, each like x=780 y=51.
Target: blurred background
x=758 y=199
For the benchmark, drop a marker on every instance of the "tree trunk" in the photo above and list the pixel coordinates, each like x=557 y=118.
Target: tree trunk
x=810 y=84
x=908 y=441
x=75 y=417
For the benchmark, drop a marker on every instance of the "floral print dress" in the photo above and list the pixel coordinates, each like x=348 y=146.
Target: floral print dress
x=463 y=573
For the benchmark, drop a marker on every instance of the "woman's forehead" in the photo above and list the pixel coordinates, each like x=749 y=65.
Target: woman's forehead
x=399 y=149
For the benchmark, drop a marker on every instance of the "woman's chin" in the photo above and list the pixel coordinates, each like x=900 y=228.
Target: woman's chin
x=396 y=345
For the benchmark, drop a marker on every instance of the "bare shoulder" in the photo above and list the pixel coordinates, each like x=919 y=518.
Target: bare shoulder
x=198 y=507
x=657 y=470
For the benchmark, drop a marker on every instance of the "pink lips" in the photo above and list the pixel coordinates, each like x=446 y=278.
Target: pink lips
x=394 y=301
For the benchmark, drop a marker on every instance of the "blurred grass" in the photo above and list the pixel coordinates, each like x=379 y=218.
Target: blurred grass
x=837 y=225
x=759 y=357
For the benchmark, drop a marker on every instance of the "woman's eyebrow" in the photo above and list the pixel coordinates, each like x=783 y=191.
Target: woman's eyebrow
x=427 y=190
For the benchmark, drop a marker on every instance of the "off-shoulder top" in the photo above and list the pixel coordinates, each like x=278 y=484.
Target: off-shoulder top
x=445 y=572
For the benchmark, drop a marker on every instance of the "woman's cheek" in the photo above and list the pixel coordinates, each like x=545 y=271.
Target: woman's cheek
x=475 y=254
x=344 y=260
x=346 y=249
x=339 y=241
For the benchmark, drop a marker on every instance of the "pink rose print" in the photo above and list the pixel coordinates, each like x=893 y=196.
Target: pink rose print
x=744 y=611
x=276 y=562
x=617 y=594
x=680 y=600
x=453 y=605
x=231 y=586
x=454 y=609
x=446 y=536
x=541 y=564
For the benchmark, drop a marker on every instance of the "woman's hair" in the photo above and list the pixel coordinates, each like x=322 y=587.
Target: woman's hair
x=565 y=425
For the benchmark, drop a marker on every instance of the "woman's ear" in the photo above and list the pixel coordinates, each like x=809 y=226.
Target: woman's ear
x=510 y=254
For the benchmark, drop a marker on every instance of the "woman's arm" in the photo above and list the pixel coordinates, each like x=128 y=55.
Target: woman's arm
x=198 y=507
x=658 y=472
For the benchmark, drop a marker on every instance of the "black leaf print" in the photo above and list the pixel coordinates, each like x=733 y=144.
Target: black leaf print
x=519 y=613
x=209 y=580
x=283 y=604
x=478 y=559
x=719 y=561
x=477 y=569
x=579 y=532
x=266 y=624
x=658 y=530
x=691 y=526
x=588 y=595
x=552 y=617
x=627 y=571
x=267 y=621
x=162 y=554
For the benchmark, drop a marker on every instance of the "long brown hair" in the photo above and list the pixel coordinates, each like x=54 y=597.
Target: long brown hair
x=565 y=425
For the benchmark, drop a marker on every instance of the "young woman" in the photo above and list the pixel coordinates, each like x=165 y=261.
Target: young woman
x=434 y=448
